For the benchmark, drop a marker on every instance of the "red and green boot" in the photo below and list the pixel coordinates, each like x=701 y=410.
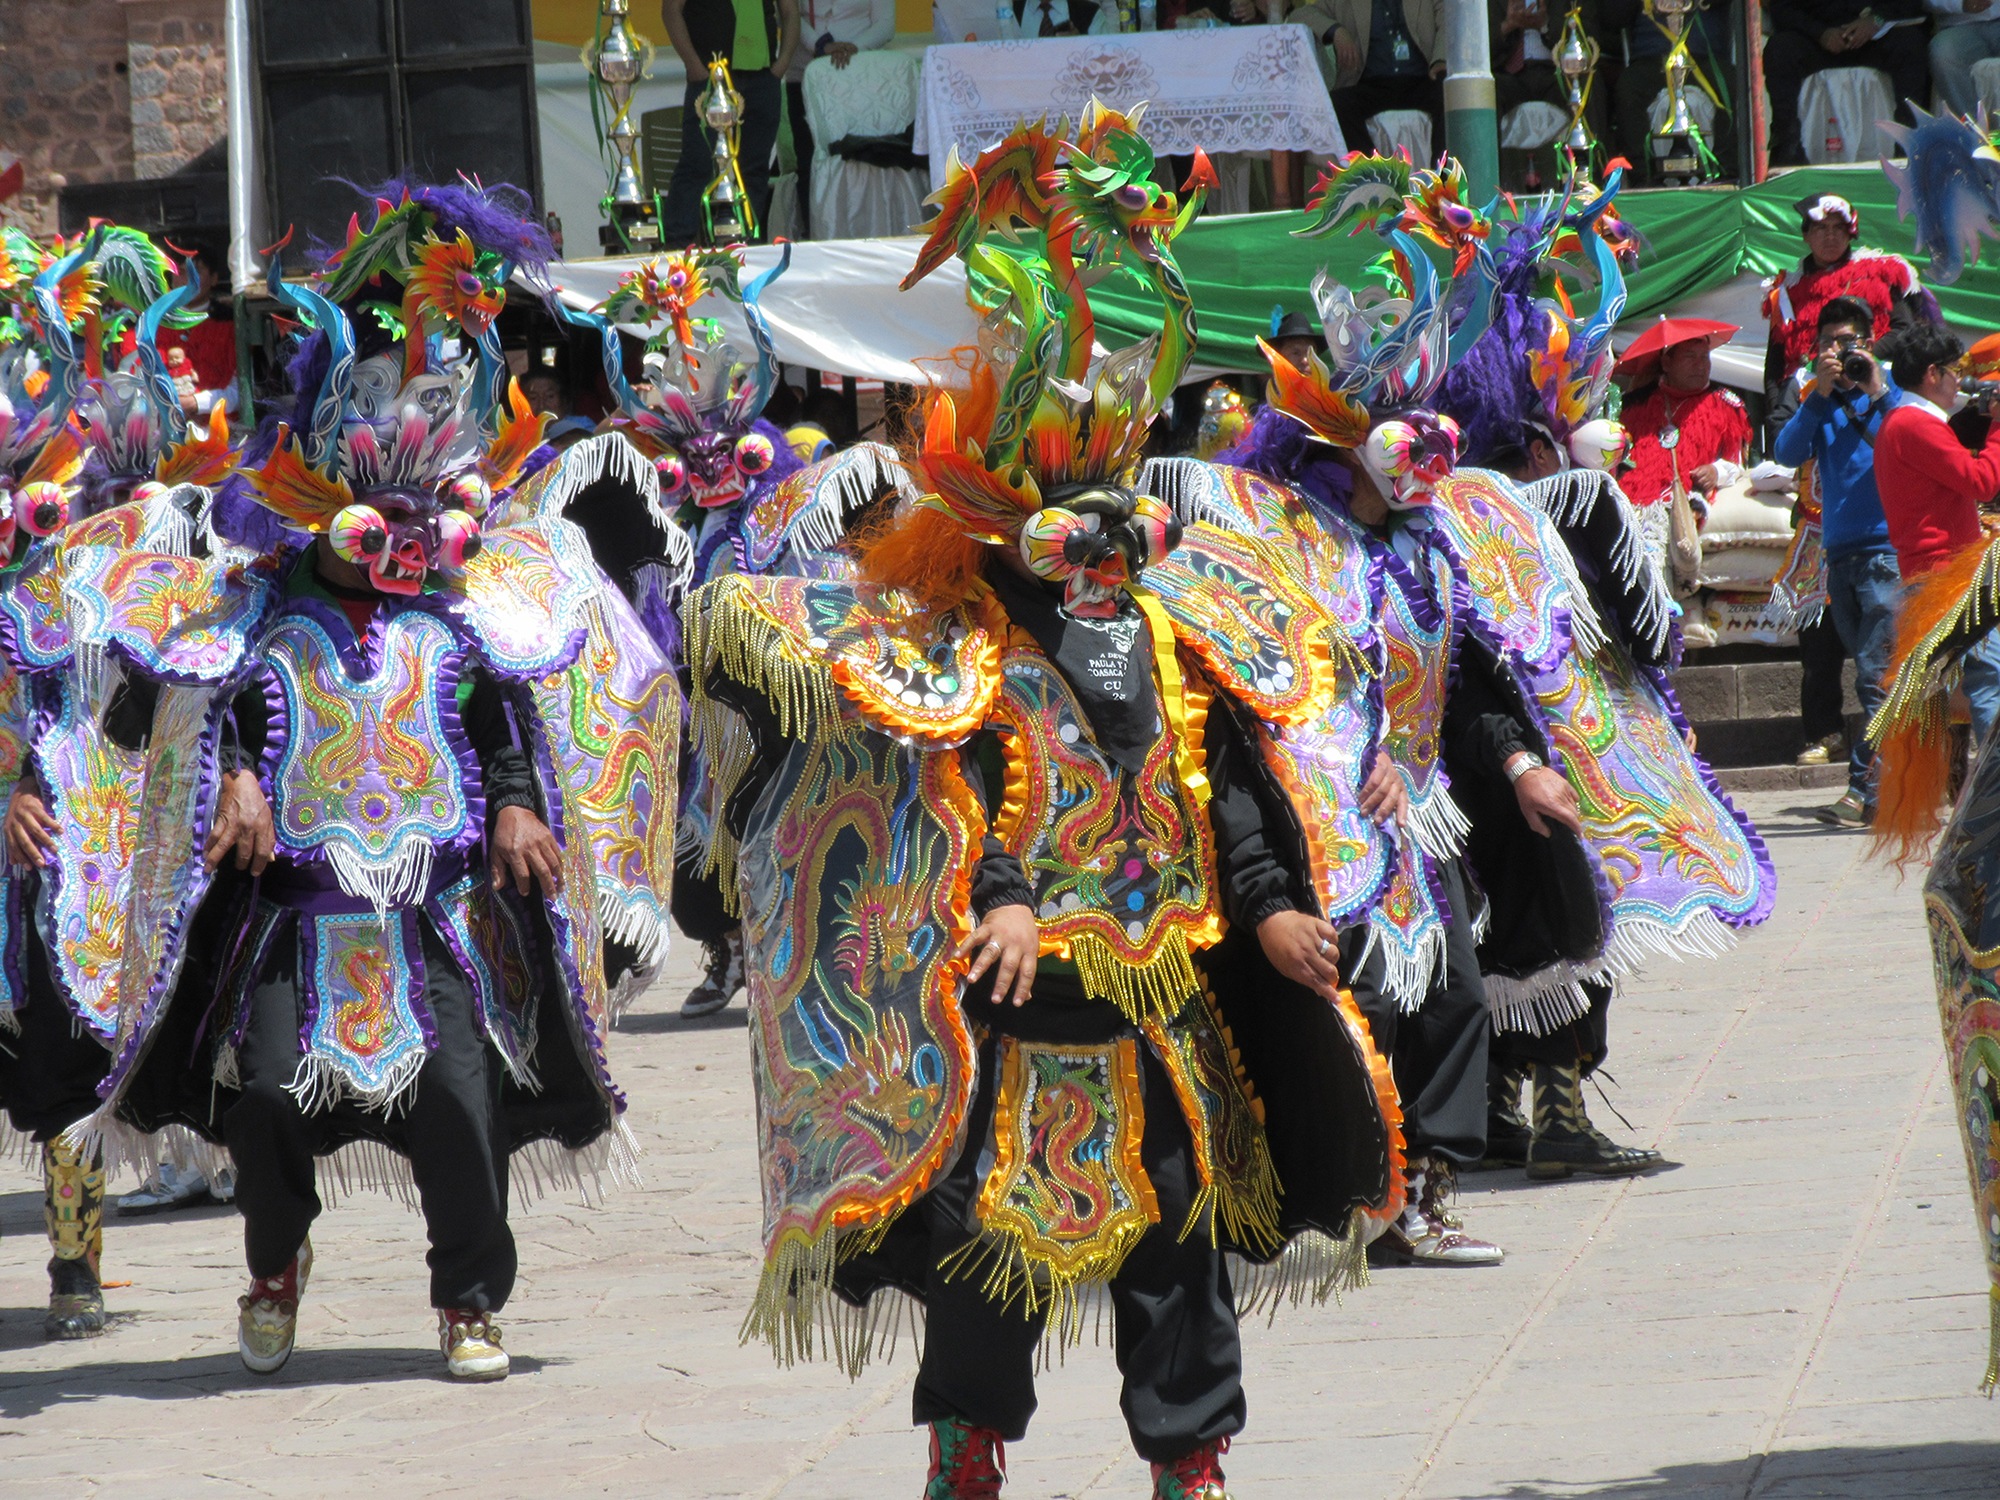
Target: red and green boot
x=1198 y=1476
x=967 y=1462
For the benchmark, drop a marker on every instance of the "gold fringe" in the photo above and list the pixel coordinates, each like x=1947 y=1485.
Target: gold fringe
x=1153 y=990
x=1010 y=1275
x=797 y=1312
x=1920 y=673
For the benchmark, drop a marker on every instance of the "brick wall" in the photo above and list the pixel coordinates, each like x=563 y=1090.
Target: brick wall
x=106 y=91
x=179 y=81
x=64 y=106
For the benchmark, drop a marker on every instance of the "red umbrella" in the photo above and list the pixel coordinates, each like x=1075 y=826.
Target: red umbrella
x=1640 y=362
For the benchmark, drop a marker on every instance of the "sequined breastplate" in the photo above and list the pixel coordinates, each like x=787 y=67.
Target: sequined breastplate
x=1416 y=639
x=369 y=778
x=1122 y=866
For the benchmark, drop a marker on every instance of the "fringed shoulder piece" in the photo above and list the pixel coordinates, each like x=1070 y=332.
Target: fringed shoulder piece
x=807 y=644
x=809 y=510
x=174 y=619
x=1944 y=614
x=1262 y=637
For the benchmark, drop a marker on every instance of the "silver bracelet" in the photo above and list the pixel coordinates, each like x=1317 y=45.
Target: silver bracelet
x=1522 y=764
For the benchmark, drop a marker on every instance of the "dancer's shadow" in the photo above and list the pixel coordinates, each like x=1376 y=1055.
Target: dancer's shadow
x=733 y=1019
x=1960 y=1470
x=29 y=1394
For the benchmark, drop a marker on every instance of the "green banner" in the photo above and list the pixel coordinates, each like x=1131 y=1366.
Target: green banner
x=1696 y=239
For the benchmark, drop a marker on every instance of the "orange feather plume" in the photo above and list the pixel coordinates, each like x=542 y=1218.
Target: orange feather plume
x=519 y=434
x=287 y=484
x=1306 y=396
x=1913 y=751
x=202 y=460
x=60 y=460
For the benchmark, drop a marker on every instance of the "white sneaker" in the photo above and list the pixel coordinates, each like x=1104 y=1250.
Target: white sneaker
x=169 y=1187
x=471 y=1343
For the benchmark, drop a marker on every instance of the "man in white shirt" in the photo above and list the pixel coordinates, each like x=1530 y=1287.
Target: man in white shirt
x=833 y=29
x=1968 y=31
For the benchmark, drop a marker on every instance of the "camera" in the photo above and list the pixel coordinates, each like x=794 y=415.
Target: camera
x=1855 y=365
x=1980 y=393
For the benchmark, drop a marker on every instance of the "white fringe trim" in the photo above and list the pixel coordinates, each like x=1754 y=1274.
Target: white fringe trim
x=320 y=1083
x=1550 y=997
x=1441 y=828
x=401 y=882
x=1189 y=488
x=1406 y=970
x=1568 y=499
x=849 y=481
x=537 y=1170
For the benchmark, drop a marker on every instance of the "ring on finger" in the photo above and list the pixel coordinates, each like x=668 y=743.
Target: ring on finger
x=992 y=948
x=1324 y=944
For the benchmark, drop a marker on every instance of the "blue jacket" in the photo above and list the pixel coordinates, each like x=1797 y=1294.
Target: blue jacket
x=1839 y=431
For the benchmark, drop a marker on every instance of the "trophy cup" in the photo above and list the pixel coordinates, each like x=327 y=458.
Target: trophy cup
x=1677 y=144
x=617 y=60
x=725 y=204
x=1576 y=60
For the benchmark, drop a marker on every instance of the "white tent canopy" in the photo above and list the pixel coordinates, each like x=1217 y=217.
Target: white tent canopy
x=838 y=309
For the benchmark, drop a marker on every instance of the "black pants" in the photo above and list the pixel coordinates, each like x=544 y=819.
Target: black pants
x=802 y=153
x=763 y=100
x=1370 y=96
x=1176 y=1337
x=1438 y=1052
x=1790 y=59
x=49 y=1073
x=1582 y=1044
x=1638 y=86
x=451 y=1131
x=1821 y=658
x=696 y=905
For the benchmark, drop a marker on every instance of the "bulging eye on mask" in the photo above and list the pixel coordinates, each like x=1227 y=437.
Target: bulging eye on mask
x=1601 y=444
x=1094 y=540
x=1407 y=456
x=398 y=543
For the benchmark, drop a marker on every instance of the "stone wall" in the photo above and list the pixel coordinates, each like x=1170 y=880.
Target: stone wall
x=179 y=81
x=106 y=91
x=64 y=106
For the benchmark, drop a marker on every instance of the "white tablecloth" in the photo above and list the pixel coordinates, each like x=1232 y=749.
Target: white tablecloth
x=1232 y=88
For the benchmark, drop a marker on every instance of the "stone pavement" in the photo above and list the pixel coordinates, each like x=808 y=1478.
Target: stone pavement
x=1796 y=1310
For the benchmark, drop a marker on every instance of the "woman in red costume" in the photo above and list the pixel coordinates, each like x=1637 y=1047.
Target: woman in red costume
x=1833 y=266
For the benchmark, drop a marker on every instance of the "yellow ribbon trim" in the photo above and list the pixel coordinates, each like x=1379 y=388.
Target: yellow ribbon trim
x=1173 y=696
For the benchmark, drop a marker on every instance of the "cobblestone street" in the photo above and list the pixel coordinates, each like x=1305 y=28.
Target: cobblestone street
x=1797 y=1308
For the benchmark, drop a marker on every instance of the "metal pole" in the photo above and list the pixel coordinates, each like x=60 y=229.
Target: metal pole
x=1471 y=132
x=245 y=186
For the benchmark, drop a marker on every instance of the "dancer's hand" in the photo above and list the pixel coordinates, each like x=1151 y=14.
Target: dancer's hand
x=1008 y=942
x=524 y=848
x=30 y=829
x=1303 y=948
x=1385 y=796
x=243 y=823
x=1547 y=797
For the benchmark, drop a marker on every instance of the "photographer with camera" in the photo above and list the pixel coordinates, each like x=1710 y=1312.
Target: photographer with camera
x=1847 y=396
x=1932 y=488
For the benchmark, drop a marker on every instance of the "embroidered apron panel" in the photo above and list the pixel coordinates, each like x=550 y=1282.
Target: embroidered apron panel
x=368 y=778
x=367 y=1030
x=1067 y=1196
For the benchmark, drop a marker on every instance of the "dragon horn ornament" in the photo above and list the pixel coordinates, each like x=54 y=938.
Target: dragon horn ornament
x=695 y=421
x=1386 y=353
x=400 y=456
x=1038 y=454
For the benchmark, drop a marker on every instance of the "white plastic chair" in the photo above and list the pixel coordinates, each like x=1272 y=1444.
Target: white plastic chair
x=1838 y=109
x=1531 y=126
x=875 y=94
x=1409 y=129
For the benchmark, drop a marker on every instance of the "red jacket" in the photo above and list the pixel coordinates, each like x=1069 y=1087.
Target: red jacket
x=1931 y=486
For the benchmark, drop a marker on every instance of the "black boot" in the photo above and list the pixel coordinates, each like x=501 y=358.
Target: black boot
x=1508 y=1132
x=722 y=979
x=75 y=1211
x=1565 y=1141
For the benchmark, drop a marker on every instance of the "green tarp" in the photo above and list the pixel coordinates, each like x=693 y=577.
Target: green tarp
x=1696 y=239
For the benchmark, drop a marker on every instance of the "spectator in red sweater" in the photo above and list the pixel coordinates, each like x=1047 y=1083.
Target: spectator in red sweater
x=1932 y=487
